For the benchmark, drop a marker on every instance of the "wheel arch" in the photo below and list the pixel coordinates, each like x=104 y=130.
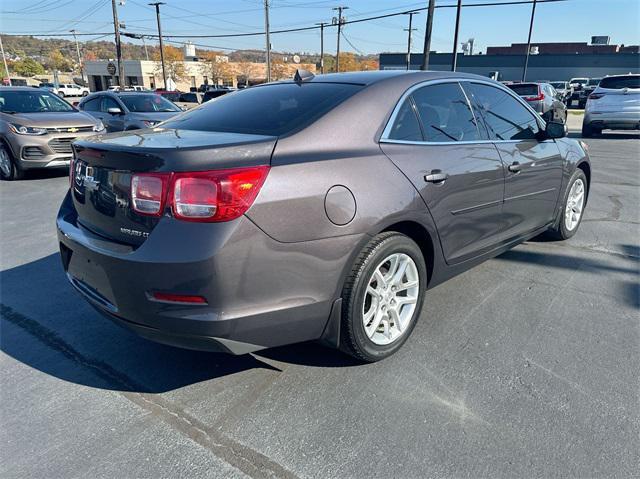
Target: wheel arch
x=421 y=236
x=586 y=169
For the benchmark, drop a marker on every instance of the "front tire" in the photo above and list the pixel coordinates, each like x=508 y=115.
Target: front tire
x=382 y=297
x=61 y=94
x=85 y=93
x=9 y=170
x=575 y=199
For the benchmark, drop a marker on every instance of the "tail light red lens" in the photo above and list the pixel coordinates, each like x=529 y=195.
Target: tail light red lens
x=178 y=298
x=595 y=96
x=148 y=193
x=221 y=195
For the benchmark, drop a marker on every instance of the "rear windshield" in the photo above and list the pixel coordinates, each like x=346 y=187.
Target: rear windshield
x=276 y=109
x=147 y=103
x=618 y=83
x=525 y=90
x=594 y=81
x=32 y=101
x=558 y=84
x=173 y=96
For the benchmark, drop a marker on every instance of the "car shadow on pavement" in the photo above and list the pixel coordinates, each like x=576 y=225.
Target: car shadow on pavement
x=42 y=318
x=630 y=253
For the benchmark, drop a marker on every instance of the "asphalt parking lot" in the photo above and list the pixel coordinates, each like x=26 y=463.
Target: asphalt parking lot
x=526 y=366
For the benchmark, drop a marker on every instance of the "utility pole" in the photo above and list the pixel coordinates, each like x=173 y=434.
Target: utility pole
x=164 y=71
x=340 y=10
x=144 y=44
x=266 y=30
x=322 y=24
x=79 y=57
x=410 y=30
x=526 y=58
x=4 y=60
x=454 y=62
x=427 y=36
x=116 y=27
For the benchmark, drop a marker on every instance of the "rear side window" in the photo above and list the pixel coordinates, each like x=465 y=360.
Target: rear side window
x=505 y=118
x=406 y=126
x=618 y=83
x=276 y=109
x=445 y=113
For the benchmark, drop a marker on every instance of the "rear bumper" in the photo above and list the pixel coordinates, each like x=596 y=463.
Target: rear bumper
x=613 y=120
x=260 y=293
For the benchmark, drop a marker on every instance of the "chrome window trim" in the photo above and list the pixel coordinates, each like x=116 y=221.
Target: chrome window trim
x=384 y=138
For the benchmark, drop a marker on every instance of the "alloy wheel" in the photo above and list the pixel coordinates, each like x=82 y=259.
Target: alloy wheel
x=575 y=204
x=5 y=162
x=390 y=299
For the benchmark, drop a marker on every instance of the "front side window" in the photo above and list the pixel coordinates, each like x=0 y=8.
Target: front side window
x=406 y=126
x=109 y=103
x=505 y=118
x=147 y=103
x=445 y=113
x=92 y=105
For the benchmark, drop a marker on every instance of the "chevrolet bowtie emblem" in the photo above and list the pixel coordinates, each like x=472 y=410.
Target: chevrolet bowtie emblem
x=72 y=130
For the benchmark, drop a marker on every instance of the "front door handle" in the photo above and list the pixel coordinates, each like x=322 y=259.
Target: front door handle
x=515 y=167
x=436 y=176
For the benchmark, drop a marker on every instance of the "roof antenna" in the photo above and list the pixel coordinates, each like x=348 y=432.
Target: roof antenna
x=303 y=75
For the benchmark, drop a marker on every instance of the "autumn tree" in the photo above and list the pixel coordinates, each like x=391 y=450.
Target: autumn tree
x=173 y=62
x=216 y=67
x=348 y=62
x=246 y=70
x=279 y=69
x=368 y=65
x=90 y=56
x=28 y=67
x=57 y=61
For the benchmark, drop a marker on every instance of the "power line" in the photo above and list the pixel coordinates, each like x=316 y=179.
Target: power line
x=313 y=27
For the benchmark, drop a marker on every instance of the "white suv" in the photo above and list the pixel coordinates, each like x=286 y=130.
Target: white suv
x=71 y=89
x=613 y=105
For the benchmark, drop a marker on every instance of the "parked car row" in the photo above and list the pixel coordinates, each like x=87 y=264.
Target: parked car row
x=544 y=99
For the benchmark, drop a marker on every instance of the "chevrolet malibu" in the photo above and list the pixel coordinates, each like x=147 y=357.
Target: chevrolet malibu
x=321 y=208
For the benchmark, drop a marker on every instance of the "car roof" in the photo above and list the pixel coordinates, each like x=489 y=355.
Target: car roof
x=18 y=88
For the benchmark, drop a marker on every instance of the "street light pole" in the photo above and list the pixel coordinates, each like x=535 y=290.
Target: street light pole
x=410 y=30
x=4 y=60
x=340 y=10
x=267 y=39
x=454 y=62
x=116 y=27
x=322 y=24
x=427 y=36
x=79 y=57
x=164 y=71
x=526 y=58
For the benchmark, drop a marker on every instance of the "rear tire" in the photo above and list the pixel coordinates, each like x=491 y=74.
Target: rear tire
x=61 y=94
x=85 y=93
x=9 y=170
x=382 y=297
x=575 y=199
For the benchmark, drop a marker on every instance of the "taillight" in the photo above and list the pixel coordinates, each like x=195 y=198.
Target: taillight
x=595 y=96
x=177 y=298
x=538 y=97
x=148 y=193
x=220 y=195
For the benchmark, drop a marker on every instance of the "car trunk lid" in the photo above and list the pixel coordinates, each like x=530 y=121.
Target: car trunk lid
x=104 y=166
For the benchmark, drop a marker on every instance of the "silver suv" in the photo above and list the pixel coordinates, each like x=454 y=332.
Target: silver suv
x=613 y=105
x=36 y=130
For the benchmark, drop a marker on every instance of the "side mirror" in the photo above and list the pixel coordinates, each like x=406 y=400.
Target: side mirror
x=556 y=129
x=114 y=111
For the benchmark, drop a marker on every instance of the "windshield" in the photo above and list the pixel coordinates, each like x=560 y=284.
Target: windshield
x=275 y=109
x=32 y=101
x=147 y=103
x=618 y=83
x=525 y=89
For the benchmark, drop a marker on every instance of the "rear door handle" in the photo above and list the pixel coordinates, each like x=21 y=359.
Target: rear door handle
x=515 y=167
x=436 y=176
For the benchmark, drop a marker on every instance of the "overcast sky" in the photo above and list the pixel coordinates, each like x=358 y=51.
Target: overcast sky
x=566 y=21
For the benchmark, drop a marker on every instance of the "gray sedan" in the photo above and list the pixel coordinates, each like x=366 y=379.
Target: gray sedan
x=322 y=208
x=122 y=111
